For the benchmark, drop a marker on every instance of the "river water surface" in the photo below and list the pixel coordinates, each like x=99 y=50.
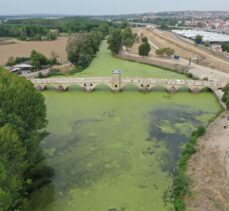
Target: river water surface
x=117 y=152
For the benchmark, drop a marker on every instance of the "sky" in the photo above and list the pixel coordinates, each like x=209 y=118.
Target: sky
x=105 y=7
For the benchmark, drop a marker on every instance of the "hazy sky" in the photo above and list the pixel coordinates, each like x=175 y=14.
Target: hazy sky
x=98 y=7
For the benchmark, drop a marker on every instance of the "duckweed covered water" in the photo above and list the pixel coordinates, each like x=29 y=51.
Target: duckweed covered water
x=117 y=152
x=114 y=152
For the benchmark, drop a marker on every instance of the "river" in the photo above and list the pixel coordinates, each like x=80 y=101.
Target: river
x=117 y=152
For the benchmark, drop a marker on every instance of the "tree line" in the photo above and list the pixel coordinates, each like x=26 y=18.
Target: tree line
x=27 y=32
x=47 y=29
x=82 y=47
x=22 y=122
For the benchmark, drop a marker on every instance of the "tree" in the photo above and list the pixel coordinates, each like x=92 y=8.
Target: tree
x=144 y=49
x=207 y=44
x=225 y=47
x=198 y=39
x=104 y=28
x=22 y=120
x=12 y=167
x=115 y=41
x=82 y=48
x=38 y=59
x=144 y=39
x=127 y=37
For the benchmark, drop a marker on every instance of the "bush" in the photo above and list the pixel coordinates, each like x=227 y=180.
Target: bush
x=165 y=52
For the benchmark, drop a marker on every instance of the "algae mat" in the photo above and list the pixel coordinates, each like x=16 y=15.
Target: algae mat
x=116 y=152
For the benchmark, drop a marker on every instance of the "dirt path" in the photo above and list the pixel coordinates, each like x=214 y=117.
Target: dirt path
x=208 y=169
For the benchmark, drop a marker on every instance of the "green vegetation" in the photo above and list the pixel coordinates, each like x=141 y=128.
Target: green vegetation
x=37 y=59
x=207 y=44
x=165 y=52
x=46 y=29
x=115 y=41
x=180 y=187
x=25 y=32
x=144 y=48
x=198 y=39
x=82 y=48
x=225 y=47
x=127 y=37
x=119 y=38
x=226 y=96
x=22 y=120
x=17 y=60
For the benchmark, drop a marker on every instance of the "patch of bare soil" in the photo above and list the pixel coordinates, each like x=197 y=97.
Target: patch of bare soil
x=208 y=169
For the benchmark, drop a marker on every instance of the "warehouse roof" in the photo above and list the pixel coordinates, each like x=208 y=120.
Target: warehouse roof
x=207 y=36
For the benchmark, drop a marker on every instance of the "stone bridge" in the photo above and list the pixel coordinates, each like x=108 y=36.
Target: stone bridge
x=116 y=83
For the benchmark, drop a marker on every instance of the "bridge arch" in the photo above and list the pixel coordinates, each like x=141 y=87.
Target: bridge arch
x=100 y=86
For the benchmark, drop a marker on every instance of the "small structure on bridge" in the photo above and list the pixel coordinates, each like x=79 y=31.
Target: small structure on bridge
x=116 y=80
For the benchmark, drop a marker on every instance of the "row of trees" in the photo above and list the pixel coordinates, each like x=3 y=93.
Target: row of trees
x=119 y=38
x=46 y=29
x=22 y=120
x=24 y=32
x=82 y=47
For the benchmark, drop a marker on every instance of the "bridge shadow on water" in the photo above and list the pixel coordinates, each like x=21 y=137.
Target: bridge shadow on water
x=128 y=88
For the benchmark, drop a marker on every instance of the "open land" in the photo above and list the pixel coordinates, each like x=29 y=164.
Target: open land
x=185 y=49
x=209 y=169
x=23 y=48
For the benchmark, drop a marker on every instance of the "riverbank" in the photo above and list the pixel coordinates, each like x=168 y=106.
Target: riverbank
x=208 y=169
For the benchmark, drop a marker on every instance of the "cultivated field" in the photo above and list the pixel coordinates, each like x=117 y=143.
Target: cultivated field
x=22 y=48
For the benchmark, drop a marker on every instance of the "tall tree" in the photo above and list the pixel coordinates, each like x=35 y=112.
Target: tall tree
x=22 y=120
x=198 y=39
x=115 y=41
x=144 y=49
x=127 y=37
x=12 y=167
